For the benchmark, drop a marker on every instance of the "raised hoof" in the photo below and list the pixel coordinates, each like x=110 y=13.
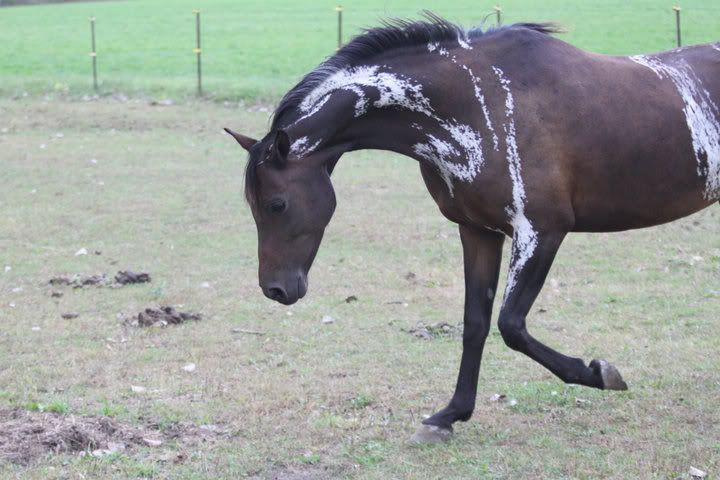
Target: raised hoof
x=612 y=380
x=427 y=434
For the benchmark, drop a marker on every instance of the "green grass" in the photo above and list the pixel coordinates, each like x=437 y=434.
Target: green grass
x=308 y=400
x=305 y=398
x=256 y=50
x=53 y=407
x=108 y=409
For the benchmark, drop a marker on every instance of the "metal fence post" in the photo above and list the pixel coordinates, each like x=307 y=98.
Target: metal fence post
x=677 y=24
x=93 y=53
x=198 y=51
x=339 y=10
x=498 y=13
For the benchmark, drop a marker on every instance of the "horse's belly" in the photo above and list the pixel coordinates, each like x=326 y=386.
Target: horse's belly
x=637 y=204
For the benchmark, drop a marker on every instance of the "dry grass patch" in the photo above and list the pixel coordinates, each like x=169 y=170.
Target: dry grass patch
x=26 y=436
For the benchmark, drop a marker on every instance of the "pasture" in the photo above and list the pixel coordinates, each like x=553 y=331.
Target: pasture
x=257 y=50
x=307 y=399
x=257 y=390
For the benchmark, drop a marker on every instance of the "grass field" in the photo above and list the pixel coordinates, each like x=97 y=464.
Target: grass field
x=308 y=400
x=257 y=50
x=275 y=392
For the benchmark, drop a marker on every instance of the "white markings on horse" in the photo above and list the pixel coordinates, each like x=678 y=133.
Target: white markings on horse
x=441 y=152
x=476 y=87
x=497 y=230
x=394 y=91
x=525 y=239
x=701 y=114
x=435 y=150
x=716 y=47
x=398 y=91
x=463 y=41
x=301 y=147
x=471 y=142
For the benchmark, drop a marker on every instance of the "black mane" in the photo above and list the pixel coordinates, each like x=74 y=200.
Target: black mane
x=393 y=34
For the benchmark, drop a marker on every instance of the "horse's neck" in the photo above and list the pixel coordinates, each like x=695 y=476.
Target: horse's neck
x=416 y=104
x=380 y=107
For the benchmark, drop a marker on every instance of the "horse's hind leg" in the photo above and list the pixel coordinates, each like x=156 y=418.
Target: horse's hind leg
x=527 y=278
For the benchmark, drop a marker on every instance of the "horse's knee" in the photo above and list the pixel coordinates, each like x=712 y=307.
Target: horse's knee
x=513 y=332
x=474 y=334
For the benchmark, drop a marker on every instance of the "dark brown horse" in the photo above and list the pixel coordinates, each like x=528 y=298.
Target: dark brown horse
x=517 y=134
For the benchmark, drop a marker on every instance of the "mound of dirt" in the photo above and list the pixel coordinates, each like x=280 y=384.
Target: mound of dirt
x=26 y=435
x=125 y=277
x=162 y=317
x=82 y=280
x=435 y=330
x=301 y=472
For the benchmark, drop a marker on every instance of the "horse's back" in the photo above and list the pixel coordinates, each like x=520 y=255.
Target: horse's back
x=638 y=138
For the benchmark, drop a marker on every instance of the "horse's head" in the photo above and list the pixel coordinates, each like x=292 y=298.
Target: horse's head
x=292 y=200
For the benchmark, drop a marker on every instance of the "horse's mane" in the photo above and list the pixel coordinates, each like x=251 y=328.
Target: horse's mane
x=393 y=34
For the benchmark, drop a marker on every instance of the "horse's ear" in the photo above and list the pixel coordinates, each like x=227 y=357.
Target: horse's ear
x=281 y=147
x=245 y=142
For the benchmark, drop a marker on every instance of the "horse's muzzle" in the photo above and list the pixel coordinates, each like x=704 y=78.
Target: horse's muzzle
x=287 y=292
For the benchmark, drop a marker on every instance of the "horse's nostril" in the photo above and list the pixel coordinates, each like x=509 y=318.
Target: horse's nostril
x=277 y=293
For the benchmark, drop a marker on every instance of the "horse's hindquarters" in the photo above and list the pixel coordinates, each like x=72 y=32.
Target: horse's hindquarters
x=636 y=161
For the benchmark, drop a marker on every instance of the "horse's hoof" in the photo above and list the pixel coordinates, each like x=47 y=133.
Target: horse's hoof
x=426 y=434
x=612 y=380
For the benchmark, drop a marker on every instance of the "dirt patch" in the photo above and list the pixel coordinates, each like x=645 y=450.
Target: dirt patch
x=26 y=435
x=301 y=472
x=435 y=330
x=126 y=277
x=161 y=317
x=82 y=280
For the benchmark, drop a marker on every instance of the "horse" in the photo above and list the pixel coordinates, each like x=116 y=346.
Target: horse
x=517 y=134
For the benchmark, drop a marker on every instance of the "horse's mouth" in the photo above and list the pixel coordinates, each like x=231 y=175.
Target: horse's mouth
x=302 y=286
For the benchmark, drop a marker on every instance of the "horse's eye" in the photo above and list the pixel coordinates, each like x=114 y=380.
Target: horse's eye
x=277 y=205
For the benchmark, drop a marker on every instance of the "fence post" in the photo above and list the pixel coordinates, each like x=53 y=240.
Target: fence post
x=676 y=8
x=498 y=13
x=198 y=51
x=339 y=10
x=93 y=53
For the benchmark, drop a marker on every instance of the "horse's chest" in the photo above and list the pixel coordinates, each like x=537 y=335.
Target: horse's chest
x=447 y=203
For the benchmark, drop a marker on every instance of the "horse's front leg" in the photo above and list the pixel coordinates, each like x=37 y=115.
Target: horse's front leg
x=482 y=253
x=528 y=270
